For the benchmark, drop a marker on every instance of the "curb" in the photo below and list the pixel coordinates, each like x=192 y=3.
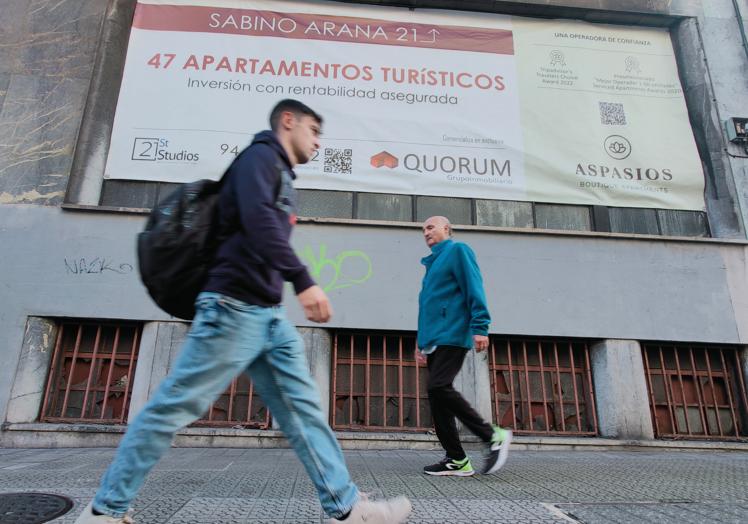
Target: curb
x=40 y=435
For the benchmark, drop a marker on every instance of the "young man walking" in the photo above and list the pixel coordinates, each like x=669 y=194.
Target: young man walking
x=452 y=319
x=240 y=327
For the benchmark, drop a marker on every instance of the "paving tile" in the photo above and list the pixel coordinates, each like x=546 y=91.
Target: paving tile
x=270 y=486
x=695 y=512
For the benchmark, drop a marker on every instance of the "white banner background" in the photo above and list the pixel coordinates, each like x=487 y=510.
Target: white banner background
x=527 y=137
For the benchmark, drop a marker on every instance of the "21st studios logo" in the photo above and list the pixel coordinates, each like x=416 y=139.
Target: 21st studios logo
x=157 y=149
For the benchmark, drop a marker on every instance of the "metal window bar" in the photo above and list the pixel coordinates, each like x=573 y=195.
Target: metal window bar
x=696 y=391
x=92 y=368
x=238 y=407
x=542 y=386
x=376 y=383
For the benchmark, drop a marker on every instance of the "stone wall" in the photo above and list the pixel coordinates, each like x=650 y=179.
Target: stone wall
x=47 y=53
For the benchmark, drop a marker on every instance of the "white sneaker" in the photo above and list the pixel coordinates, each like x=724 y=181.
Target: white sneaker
x=498 y=450
x=390 y=511
x=87 y=517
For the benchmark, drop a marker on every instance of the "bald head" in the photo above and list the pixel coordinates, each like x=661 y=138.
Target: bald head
x=436 y=229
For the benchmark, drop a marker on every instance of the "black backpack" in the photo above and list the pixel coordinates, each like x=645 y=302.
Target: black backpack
x=179 y=242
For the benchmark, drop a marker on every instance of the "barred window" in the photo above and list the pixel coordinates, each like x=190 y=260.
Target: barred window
x=90 y=379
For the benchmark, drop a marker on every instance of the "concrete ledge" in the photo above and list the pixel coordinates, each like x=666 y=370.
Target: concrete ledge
x=39 y=435
x=359 y=222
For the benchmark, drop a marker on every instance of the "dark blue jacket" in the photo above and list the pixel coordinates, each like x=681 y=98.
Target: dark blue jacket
x=257 y=210
x=452 y=304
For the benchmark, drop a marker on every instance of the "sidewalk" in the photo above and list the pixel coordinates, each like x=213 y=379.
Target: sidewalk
x=212 y=485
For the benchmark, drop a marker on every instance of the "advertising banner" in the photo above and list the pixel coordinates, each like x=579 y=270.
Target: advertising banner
x=422 y=102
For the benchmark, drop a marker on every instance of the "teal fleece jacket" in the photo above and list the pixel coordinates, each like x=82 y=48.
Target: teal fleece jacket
x=452 y=303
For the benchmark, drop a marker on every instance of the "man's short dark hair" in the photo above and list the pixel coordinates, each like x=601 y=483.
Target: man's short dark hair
x=295 y=107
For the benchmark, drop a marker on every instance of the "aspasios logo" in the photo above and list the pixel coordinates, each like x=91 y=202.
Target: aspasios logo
x=616 y=175
x=617 y=147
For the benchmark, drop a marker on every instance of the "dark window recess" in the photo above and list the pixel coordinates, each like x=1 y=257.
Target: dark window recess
x=696 y=391
x=377 y=384
x=134 y=193
x=92 y=370
x=238 y=407
x=542 y=387
x=407 y=208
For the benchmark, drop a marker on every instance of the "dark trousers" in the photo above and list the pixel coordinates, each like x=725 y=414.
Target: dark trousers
x=447 y=403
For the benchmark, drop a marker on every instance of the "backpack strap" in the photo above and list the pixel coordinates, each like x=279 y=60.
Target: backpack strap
x=279 y=168
x=285 y=201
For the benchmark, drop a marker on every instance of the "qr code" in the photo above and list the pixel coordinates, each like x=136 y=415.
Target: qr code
x=612 y=114
x=338 y=160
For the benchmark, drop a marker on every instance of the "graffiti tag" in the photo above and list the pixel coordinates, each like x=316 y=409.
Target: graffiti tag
x=347 y=269
x=98 y=265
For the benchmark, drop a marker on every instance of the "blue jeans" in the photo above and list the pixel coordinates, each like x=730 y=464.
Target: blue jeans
x=229 y=337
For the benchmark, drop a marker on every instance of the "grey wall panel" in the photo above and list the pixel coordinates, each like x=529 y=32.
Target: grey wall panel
x=721 y=193
x=76 y=264
x=50 y=37
x=735 y=262
x=655 y=12
x=98 y=118
x=727 y=61
x=721 y=8
x=38 y=125
x=83 y=264
x=60 y=37
x=12 y=34
x=4 y=81
x=79 y=264
x=46 y=58
x=30 y=381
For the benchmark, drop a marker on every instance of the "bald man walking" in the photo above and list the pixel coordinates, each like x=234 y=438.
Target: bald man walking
x=452 y=319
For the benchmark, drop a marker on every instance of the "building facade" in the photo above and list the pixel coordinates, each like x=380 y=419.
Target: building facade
x=608 y=321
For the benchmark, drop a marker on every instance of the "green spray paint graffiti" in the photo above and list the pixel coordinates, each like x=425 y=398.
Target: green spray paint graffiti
x=347 y=269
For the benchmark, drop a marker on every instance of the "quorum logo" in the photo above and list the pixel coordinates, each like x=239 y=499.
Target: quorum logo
x=617 y=147
x=447 y=164
x=384 y=159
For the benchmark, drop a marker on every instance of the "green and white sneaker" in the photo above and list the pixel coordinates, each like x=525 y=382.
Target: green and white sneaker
x=448 y=466
x=498 y=450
